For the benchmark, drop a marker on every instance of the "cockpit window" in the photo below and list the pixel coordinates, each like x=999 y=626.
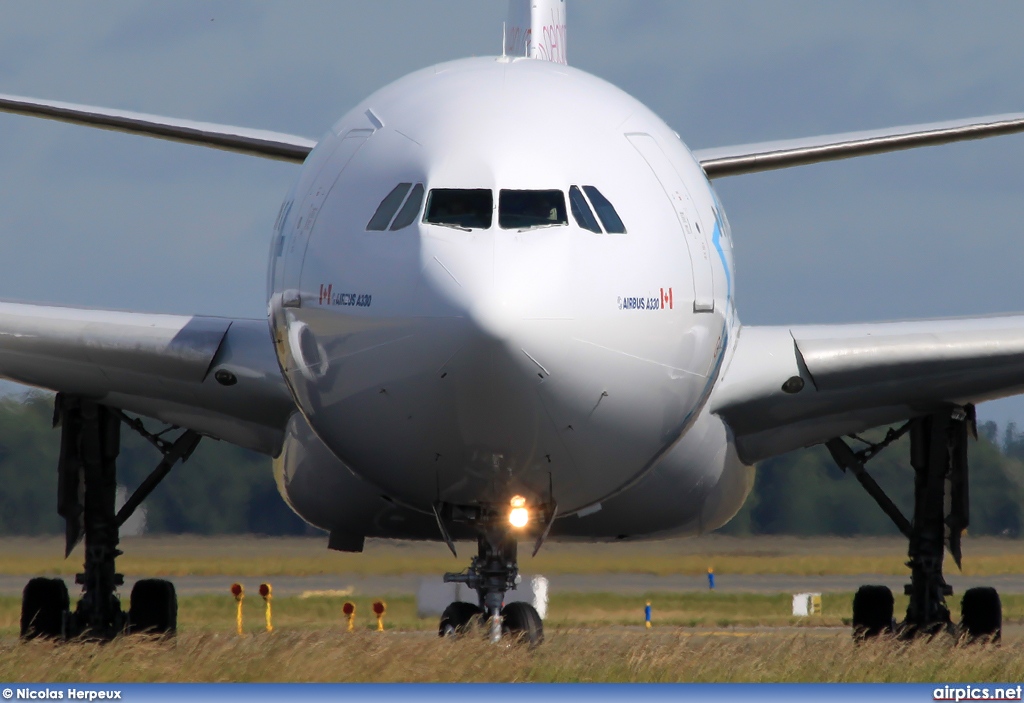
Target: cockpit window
x=524 y=209
x=609 y=218
x=410 y=210
x=387 y=208
x=581 y=211
x=460 y=208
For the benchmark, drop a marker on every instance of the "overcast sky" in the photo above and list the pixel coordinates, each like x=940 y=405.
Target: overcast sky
x=103 y=219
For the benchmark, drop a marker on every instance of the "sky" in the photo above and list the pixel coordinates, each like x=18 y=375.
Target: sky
x=95 y=218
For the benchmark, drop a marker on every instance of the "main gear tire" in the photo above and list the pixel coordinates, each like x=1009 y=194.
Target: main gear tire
x=981 y=614
x=45 y=607
x=872 y=612
x=154 y=608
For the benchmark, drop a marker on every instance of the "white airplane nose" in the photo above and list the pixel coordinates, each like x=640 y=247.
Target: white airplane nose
x=471 y=379
x=507 y=289
x=492 y=319
x=510 y=338
x=489 y=296
x=532 y=374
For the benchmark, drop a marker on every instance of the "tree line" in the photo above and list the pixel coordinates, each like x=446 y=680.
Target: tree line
x=220 y=489
x=225 y=489
x=806 y=493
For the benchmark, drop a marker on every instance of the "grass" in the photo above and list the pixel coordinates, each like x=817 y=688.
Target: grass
x=568 y=655
x=247 y=556
x=215 y=614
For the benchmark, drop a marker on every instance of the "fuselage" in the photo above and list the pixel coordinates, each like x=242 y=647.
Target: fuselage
x=499 y=277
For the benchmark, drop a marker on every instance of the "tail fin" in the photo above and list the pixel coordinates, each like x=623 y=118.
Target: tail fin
x=536 y=29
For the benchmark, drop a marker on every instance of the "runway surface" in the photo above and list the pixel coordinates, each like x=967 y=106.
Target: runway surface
x=567 y=583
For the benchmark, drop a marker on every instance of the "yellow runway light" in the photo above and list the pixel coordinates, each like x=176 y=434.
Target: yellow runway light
x=239 y=593
x=267 y=592
x=379 y=608
x=350 y=614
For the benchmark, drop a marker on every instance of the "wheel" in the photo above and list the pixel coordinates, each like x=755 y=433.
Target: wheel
x=154 y=607
x=872 y=611
x=521 y=621
x=44 y=606
x=457 y=618
x=981 y=614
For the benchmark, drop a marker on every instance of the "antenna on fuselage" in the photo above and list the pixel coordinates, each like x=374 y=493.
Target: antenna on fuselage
x=503 y=25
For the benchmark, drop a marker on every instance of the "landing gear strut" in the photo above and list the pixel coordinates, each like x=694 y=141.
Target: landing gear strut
x=87 y=488
x=492 y=573
x=938 y=455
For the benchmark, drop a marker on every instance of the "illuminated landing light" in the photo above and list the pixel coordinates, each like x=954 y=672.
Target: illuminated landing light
x=519 y=515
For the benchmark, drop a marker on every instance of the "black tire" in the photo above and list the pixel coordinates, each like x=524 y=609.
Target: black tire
x=44 y=608
x=154 y=607
x=872 y=612
x=521 y=621
x=457 y=618
x=981 y=614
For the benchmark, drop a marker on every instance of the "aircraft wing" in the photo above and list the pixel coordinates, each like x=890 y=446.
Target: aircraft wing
x=215 y=375
x=767 y=156
x=255 y=142
x=854 y=377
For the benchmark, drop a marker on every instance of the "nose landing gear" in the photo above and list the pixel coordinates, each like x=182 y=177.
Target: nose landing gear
x=492 y=573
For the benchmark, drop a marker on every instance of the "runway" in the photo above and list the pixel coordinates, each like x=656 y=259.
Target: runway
x=618 y=583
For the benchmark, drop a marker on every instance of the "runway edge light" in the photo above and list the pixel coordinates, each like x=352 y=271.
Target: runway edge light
x=349 y=609
x=379 y=608
x=239 y=593
x=267 y=592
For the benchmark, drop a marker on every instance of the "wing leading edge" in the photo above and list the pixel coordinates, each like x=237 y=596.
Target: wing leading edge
x=161 y=366
x=855 y=377
x=767 y=156
x=254 y=142
x=718 y=162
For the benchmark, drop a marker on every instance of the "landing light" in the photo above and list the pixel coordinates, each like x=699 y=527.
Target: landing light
x=519 y=515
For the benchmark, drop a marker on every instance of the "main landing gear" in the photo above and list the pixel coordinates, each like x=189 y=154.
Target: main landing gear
x=492 y=573
x=87 y=487
x=938 y=455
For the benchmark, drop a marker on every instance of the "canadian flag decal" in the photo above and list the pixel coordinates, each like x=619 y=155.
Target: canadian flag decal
x=325 y=293
x=666 y=299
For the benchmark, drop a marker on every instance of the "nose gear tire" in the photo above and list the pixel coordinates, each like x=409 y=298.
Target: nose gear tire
x=457 y=618
x=520 y=621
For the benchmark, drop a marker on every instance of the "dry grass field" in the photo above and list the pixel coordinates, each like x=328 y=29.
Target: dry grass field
x=257 y=557
x=568 y=655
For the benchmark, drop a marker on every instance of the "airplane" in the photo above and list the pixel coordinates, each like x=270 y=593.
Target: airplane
x=492 y=322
